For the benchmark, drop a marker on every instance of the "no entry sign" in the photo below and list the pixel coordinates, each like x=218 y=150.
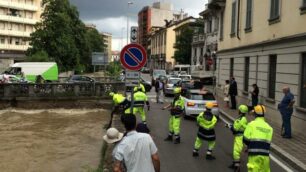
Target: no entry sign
x=133 y=57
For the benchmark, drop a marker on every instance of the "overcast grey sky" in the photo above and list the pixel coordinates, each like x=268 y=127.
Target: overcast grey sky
x=110 y=15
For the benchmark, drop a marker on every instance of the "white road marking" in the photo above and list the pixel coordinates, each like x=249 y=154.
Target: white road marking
x=273 y=158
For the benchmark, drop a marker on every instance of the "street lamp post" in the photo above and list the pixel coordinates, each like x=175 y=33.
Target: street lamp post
x=127 y=22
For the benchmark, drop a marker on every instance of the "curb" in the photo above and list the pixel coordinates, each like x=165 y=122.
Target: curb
x=288 y=158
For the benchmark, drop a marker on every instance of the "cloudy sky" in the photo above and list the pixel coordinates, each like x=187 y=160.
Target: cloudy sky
x=110 y=15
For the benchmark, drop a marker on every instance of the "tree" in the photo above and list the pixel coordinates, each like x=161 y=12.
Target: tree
x=61 y=34
x=95 y=43
x=39 y=56
x=113 y=69
x=182 y=54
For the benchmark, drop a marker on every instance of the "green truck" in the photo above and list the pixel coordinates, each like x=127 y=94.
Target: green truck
x=32 y=70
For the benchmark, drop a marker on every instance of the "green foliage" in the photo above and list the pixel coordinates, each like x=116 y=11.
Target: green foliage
x=39 y=56
x=63 y=36
x=182 y=54
x=113 y=69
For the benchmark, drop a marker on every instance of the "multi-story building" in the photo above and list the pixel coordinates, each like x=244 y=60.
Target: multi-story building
x=263 y=42
x=162 y=44
x=108 y=44
x=17 y=20
x=205 y=44
x=153 y=16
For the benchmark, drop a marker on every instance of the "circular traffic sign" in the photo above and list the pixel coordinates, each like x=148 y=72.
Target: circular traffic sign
x=133 y=57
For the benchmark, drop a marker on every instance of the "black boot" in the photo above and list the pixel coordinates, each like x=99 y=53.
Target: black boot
x=177 y=140
x=232 y=166
x=169 y=138
x=195 y=153
x=210 y=157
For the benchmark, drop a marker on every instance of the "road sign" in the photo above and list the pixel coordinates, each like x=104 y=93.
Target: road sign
x=133 y=57
x=132 y=78
x=134 y=32
x=98 y=58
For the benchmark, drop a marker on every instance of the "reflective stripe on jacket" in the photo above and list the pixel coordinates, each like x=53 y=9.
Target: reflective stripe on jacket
x=178 y=106
x=258 y=136
x=207 y=122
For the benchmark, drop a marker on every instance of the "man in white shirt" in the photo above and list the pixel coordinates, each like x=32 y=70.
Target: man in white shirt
x=136 y=151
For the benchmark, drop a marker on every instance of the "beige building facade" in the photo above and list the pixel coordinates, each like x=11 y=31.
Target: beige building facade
x=17 y=20
x=264 y=43
x=162 y=44
x=108 y=44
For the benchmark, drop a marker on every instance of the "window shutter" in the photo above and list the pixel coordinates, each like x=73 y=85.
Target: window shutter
x=249 y=14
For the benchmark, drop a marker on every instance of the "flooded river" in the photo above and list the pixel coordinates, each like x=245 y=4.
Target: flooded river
x=50 y=141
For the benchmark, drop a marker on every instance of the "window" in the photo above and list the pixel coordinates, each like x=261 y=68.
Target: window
x=272 y=76
x=221 y=25
x=216 y=26
x=10 y=40
x=231 y=67
x=274 y=10
x=209 y=26
x=246 y=73
x=303 y=7
x=233 y=24
x=303 y=86
x=248 y=24
x=2 y=40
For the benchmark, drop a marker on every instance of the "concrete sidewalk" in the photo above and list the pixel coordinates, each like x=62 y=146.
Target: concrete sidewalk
x=293 y=151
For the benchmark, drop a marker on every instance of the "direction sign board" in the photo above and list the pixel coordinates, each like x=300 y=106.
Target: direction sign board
x=99 y=58
x=133 y=57
x=132 y=78
x=134 y=32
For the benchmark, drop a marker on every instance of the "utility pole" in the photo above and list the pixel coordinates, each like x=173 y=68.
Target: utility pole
x=127 y=22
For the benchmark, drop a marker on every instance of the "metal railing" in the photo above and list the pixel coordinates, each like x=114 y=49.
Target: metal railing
x=58 y=90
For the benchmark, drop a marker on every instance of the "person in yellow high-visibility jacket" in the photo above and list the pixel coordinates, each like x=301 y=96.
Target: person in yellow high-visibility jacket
x=142 y=88
x=238 y=128
x=177 y=109
x=140 y=99
x=258 y=137
x=207 y=122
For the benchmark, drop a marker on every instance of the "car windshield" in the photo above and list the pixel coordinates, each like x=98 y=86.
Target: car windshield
x=196 y=96
x=185 y=77
x=173 y=81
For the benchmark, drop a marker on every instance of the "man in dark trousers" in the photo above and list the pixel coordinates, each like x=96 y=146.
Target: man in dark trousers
x=233 y=93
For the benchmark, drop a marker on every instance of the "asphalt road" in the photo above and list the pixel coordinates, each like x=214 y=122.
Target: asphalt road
x=178 y=158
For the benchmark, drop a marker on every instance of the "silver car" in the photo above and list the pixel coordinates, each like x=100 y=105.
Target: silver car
x=169 y=86
x=195 y=101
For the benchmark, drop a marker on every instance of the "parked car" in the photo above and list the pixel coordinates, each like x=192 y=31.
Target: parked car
x=156 y=73
x=195 y=101
x=80 y=79
x=145 y=83
x=170 y=85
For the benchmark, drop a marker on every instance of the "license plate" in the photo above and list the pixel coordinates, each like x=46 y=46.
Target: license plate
x=200 y=106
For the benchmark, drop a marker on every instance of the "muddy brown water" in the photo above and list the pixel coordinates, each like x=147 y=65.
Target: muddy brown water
x=52 y=140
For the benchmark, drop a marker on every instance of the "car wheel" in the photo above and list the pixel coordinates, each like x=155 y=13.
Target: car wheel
x=185 y=116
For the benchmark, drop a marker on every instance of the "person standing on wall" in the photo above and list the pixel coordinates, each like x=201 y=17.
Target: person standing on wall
x=233 y=92
x=285 y=107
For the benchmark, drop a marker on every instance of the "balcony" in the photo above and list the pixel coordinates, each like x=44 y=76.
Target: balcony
x=14 y=47
x=18 y=6
x=15 y=33
x=17 y=19
x=198 y=38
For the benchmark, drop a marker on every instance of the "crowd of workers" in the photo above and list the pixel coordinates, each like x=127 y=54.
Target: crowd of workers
x=256 y=135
